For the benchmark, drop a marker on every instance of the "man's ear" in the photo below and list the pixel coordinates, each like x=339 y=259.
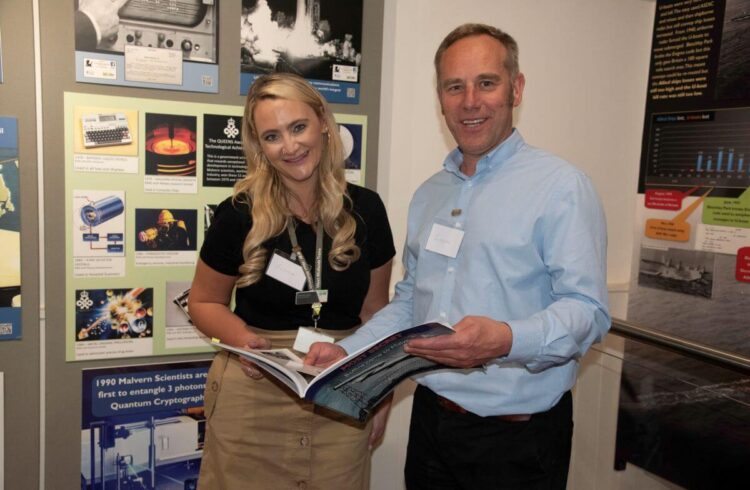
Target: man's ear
x=518 y=84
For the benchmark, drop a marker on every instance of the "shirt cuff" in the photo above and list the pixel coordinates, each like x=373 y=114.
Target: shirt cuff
x=350 y=344
x=527 y=337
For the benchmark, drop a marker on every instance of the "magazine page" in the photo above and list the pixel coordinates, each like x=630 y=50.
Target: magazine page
x=279 y=363
x=288 y=359
x=356 y=384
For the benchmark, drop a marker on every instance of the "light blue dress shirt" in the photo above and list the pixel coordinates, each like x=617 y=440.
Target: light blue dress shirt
x=533 y=255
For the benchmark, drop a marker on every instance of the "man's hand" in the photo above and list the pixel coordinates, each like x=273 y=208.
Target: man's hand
x=104 y=15
x=323 y=354
x=477 y=340
x=255 y=342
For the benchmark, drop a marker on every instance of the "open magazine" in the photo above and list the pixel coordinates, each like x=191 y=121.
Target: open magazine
x=354 y=385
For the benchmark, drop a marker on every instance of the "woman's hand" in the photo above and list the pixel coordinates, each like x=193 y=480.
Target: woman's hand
x=379 y=422
x=249 y=368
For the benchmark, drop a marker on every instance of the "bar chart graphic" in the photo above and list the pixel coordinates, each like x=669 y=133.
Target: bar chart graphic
x=704 y=148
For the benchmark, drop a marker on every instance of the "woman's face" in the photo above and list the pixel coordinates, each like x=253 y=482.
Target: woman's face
x=291 y=136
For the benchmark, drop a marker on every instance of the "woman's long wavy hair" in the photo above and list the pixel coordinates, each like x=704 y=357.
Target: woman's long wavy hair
x=268 y=198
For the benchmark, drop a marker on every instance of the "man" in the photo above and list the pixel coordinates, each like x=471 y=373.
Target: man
x=507 y=244
x=96 y=21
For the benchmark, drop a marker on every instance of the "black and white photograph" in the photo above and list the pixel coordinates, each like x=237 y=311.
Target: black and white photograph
x=107 y=30
x=677 y=270
x=320 y=40
x=734 y=69
x=208 y=216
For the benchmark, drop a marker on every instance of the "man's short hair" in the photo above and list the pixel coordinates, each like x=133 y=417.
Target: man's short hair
x=468 y=30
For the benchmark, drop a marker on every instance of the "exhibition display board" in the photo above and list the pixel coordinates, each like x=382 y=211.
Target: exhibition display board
x=691 y=267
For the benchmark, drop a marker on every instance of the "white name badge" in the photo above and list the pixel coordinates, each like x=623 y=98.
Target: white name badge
x=305 y=338
x=286 y=271
x=444 y=240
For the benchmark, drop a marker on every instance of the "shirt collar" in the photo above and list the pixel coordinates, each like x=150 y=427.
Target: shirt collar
x=494 y=158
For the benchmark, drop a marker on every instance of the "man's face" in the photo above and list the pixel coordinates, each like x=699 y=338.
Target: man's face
x=476 y=94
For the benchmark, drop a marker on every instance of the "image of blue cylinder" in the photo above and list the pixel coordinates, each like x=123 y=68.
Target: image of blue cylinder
x=102 y=211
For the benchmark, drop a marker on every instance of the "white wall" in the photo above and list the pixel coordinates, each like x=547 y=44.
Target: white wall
x=586 y=65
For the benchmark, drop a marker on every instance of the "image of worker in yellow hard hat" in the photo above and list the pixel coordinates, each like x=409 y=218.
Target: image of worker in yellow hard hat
x=165 y=229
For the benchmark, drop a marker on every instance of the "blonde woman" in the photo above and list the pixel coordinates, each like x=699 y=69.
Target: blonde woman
x=258 y=433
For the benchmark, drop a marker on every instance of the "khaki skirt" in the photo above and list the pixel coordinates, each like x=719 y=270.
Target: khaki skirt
x=259 y=434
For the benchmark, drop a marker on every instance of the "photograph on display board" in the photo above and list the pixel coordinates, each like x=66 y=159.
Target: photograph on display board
x=351 y=137
x=114 y=314
x=10 y=231
x=684 y=419
x=105 y=140
x=162 y=230
x=734 y=71
x=223 y=157
x=99 y=219
x=680 y=271
x=208 y=216
x=320 y=40
x=143 y=427
x=180 y=331
x=163 y=44
x=170 y=145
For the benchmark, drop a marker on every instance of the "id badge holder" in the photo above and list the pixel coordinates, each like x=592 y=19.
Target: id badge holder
x=306 y=336
x=282 y=268
x=444 y=239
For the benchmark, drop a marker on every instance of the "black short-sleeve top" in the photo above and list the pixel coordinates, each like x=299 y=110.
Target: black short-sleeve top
x=270 y=304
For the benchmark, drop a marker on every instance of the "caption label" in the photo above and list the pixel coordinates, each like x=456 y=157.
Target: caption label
x=677 y=229
x=728 y=212
x=130 y=393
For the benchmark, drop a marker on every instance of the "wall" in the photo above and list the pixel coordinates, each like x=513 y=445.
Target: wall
x=19 y=359
x=586 y=64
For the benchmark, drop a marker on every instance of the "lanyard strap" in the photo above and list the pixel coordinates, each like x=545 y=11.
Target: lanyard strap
x=312 y=283
x=317 y=282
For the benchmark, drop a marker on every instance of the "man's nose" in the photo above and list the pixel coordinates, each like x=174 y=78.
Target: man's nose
x=471 y=98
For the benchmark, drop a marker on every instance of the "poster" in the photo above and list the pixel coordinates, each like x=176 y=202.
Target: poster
x=10 y=231
x=135 y=220
x=143 y=426
x=137 y=209
x=158 y=44
x=691 y=273
x=320 y=40
x=353 y=131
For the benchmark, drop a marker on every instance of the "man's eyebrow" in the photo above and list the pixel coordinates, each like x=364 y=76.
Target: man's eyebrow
x=488 y=76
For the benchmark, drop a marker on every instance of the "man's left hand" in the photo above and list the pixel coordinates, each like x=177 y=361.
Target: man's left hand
x=478 y=340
